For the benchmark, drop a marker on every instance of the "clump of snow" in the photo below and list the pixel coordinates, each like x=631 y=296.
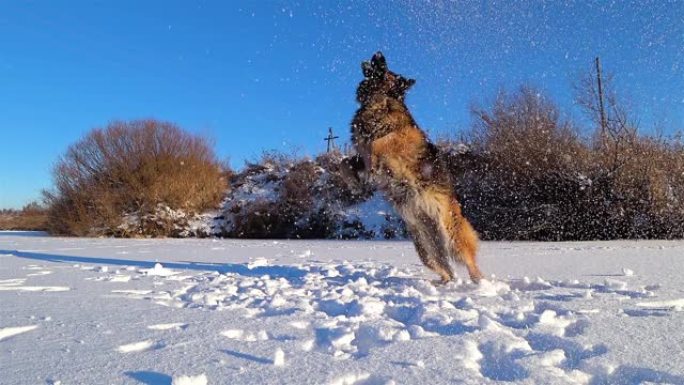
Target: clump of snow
x=675 y=304
x=13 y=331
x=190 y=380
x=136 y=346
x=169 y=326
x=246 y=336
x=259 y=262
x=159 y=270
x=279 y=357
x=18 y=285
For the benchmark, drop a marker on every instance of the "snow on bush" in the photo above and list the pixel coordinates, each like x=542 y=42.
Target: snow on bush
x=282 y=197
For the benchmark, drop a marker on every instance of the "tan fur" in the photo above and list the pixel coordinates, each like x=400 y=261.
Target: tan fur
x=402 y=162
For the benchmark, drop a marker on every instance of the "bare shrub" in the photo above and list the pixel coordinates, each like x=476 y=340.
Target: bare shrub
x=131 y=167
x=524 y=133
x=638 y=184
x=524 y=168
x=528 y=175
x=638 y=187
x=259 y=219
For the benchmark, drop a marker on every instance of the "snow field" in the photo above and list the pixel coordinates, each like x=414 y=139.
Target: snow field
x=361 y=320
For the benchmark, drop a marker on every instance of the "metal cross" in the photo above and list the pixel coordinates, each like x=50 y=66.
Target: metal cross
x=330 y=139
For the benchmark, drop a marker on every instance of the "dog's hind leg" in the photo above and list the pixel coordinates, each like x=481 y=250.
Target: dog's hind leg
x=426 y=252
x=427 y=241
x=457 y=238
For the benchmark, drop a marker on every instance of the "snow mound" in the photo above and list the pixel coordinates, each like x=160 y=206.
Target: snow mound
x=264 y=192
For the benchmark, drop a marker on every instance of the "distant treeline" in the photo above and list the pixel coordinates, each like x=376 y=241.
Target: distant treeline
x=32 y=217
x=522 y=172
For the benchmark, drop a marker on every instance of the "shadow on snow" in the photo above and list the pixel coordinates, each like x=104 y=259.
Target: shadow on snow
x=290 y=273
x=150 y=378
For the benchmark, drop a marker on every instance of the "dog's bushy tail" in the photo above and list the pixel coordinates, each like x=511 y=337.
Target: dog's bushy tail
x=462 y=238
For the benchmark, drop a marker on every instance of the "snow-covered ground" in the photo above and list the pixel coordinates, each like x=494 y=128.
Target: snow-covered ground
x=102 y=311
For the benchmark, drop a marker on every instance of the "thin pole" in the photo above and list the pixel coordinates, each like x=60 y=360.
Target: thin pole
x=600 y=95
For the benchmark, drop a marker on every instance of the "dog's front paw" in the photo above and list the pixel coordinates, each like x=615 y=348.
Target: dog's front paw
x=351 y=169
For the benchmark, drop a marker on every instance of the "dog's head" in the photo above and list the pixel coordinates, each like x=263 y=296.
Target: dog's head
x=378 y=80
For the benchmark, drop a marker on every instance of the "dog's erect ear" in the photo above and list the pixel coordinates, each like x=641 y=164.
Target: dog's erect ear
x=379 y=63
x=376 y=67
x=367 y=69
x=405 y=84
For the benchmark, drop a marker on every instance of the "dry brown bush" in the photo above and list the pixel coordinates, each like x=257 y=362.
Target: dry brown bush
x=131 y=167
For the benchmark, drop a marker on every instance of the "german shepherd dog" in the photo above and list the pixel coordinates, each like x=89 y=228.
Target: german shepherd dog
x=395 y=155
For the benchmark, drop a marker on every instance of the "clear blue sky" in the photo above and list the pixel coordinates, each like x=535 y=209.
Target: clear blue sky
x=261 y=75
